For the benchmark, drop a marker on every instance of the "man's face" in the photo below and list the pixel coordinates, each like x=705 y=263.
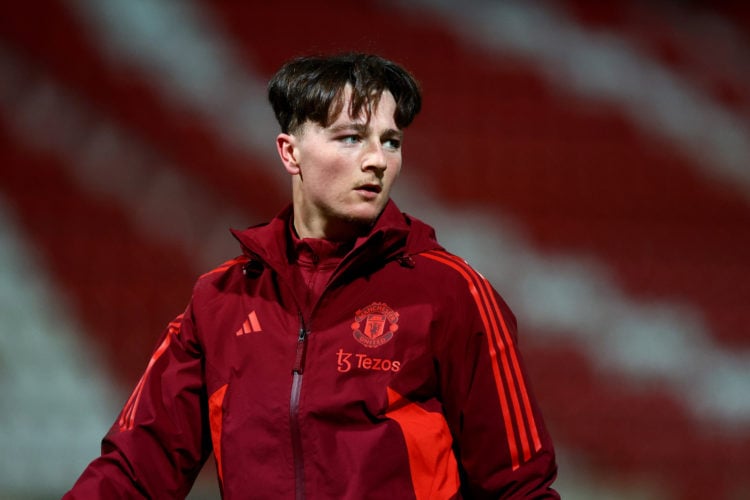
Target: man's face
x=344 y=172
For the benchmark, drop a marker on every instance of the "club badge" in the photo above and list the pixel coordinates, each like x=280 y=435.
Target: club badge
x=375 y=324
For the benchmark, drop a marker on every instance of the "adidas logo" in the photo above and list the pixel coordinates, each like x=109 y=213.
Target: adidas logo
x=250 y=325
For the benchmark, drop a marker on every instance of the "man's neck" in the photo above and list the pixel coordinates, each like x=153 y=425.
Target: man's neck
x=336 y=231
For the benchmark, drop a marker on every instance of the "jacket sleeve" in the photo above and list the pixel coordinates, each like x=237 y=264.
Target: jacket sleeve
x=159 y=442
x=500 y=440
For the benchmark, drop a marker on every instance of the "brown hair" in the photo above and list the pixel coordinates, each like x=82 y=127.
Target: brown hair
x=310 y=88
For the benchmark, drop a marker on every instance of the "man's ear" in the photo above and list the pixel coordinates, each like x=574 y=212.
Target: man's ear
x=286 y=146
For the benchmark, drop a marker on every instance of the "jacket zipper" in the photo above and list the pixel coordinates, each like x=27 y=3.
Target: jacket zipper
x=297 y=370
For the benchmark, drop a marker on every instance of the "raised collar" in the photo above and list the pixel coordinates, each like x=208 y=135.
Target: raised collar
x=392 y=235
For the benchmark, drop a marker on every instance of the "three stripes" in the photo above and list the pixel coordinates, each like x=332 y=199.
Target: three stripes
x=518 y=417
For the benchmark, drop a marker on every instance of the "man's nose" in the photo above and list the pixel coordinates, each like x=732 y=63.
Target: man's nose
x=374 y=157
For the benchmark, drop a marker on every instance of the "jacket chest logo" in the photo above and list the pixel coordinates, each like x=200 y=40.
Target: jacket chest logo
x=375 y=324
x=250 y=325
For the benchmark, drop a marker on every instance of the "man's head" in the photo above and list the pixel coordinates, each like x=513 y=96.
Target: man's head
x=311 y=88
x=342 y=121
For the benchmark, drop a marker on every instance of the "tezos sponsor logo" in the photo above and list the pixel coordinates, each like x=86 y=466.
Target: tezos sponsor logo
x=347 y=360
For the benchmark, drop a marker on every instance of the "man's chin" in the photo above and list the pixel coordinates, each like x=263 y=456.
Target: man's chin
x=362 y=220
x=364 y=216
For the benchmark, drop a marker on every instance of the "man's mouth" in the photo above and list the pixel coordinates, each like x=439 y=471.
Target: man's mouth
x=370 y=188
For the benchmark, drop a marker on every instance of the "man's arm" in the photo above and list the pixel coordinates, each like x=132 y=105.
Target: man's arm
x=500 y=440
x=160 y=440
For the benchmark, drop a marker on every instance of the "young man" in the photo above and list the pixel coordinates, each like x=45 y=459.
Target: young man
x=345 y=354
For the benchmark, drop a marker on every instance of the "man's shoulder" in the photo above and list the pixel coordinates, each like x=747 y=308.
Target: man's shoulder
x=457 y=281
x=449 y=270
x=219 y=276
x=444 y=261
x=438 y=269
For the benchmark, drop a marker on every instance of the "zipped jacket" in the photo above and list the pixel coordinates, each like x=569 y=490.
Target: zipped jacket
x=402 y=380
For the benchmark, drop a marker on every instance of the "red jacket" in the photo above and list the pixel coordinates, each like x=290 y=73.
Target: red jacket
x=402 y=381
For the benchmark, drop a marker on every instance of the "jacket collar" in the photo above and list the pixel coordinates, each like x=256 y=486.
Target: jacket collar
x=393 y=235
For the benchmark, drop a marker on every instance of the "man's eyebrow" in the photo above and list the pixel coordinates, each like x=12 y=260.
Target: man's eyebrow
x=391 y=132
x=359 y=127
x=363 y=128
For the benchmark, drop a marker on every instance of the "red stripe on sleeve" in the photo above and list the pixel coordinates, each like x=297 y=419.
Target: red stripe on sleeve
x=226 y=265
x=524 y=393
x=127 y=416
x=216 y=418
x=498 y=334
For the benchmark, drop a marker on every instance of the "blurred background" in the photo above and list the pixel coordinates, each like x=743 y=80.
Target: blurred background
x=591 y=159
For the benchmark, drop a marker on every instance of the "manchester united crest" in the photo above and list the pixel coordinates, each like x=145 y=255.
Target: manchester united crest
x=375 y=324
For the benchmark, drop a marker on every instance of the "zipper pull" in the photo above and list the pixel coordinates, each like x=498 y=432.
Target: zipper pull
x=299 y=358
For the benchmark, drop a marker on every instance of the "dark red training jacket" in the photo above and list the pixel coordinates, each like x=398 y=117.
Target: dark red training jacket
x=402 y=380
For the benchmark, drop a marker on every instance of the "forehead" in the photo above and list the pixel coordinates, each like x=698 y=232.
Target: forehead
x=381 y=109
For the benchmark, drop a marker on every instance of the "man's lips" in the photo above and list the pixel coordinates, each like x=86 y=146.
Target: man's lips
x=370 y=188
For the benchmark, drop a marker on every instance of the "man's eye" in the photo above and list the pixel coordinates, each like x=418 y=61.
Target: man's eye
x=349 y=139
x=392 y=144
